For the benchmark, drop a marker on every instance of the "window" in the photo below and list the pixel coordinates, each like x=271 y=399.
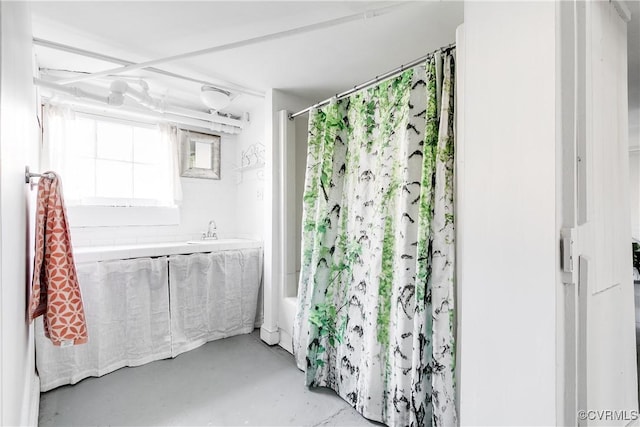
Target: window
x=109 y=162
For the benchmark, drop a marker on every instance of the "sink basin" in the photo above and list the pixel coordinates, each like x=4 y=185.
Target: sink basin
x=200 y=242
x=112 y=252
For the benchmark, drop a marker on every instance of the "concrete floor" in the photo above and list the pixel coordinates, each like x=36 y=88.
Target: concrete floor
x=235 y=381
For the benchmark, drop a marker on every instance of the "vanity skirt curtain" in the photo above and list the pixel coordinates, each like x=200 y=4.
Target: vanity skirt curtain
x=375 y=319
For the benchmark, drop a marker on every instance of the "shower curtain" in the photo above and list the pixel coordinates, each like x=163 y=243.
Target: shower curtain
x=375 y=319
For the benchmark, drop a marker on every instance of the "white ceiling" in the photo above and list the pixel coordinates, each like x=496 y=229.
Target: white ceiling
x=314 y=65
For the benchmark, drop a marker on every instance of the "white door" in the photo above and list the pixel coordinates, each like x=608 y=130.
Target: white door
x=606 y=354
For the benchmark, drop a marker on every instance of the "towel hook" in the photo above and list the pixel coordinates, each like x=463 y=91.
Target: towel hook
x=28 y=175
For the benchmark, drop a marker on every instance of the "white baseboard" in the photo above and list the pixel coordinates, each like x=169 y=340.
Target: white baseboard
x=270 y=337
x=286 y=341
x=31 y=403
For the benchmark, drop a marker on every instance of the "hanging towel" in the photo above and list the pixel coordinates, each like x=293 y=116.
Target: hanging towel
x=55 y=291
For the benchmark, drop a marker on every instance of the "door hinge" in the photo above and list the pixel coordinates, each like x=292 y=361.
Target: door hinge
x=568 y=255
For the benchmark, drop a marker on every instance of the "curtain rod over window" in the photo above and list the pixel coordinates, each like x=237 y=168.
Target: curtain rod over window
x=373 y=81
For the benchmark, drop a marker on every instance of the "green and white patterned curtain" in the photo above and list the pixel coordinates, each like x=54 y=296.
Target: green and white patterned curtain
x=376 y=315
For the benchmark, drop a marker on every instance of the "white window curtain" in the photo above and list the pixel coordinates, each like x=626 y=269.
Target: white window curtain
x=61 y=147
x=170 y=134
x=56 y=149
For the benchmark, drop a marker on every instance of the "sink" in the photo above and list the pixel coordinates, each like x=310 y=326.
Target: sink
x=112 y=252
x=201 y=241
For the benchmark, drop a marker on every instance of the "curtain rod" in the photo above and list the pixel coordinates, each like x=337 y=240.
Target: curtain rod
x=125 y=112
x=371 y=82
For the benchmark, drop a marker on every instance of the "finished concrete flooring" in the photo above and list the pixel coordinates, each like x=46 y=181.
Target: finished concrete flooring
x=238 y=381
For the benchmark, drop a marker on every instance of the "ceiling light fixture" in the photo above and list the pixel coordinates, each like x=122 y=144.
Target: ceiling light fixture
x=214 y=98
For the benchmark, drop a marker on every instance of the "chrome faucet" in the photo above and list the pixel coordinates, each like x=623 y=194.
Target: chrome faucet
x=211 y=231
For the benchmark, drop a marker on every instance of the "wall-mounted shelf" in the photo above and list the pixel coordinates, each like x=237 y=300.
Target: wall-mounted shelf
x=258 y=167
x=252 y=159
x=250 y=167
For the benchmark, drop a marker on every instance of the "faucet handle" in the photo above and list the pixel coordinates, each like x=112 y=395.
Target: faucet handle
x=211 y=234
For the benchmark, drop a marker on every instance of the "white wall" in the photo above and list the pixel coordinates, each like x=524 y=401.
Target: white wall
x=634 y=124
x=18 y=147
x=234 y=201
x=202 y=200
x=274 y=274
x=249 y=216
x=508 y=248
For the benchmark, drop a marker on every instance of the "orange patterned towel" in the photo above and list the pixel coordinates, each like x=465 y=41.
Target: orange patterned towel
x=54 y=290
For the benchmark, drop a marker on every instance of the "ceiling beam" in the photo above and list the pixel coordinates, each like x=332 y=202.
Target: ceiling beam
x=241 y=43
x=226 y=85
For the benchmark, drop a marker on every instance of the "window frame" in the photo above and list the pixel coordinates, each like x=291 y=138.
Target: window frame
x=115 y=202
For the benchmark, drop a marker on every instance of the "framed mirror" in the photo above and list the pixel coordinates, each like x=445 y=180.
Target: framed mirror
x=199 y=155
